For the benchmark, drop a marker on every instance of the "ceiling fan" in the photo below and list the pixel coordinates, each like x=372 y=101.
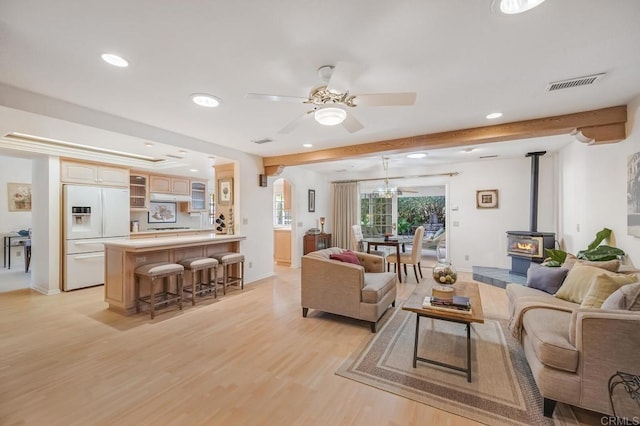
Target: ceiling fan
x=388 y=190
x=331 y=100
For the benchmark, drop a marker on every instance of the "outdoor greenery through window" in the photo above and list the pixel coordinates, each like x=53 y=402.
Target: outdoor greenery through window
x=281 y=216
x=416 y=211
x=377 y=215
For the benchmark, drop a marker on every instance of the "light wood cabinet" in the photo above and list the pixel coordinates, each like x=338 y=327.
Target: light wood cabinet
x=199 y=196
x=282 y=246
x=138 y=192
x=169 y=185
x=92 y=174
x=287 y=196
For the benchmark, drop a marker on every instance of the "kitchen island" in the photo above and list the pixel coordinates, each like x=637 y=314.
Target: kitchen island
x=122 y=257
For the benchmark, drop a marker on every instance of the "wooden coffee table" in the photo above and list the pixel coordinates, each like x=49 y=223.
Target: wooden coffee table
x=414 y=304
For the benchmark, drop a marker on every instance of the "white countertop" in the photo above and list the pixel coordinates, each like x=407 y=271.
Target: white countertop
x=160 y=242
x=172 y=231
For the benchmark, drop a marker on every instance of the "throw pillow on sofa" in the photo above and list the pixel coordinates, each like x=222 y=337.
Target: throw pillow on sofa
x=576 y=286
x=602 y=287
x=626 y=297
x=609 y=265
x=346 y=256
x=546 y=278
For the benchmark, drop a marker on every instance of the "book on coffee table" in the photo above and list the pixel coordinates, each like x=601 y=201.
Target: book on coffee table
x=461 y=302
x=461 y=308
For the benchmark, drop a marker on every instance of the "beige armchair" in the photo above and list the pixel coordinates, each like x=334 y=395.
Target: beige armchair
x=358 y=291
x=412 y=258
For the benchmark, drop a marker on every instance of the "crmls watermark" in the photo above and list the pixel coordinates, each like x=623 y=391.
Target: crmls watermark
x=620 y=421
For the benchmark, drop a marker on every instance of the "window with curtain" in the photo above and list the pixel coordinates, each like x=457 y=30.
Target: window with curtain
x=376 y=215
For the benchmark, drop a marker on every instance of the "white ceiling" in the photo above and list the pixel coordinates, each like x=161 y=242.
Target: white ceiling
x=463 y=60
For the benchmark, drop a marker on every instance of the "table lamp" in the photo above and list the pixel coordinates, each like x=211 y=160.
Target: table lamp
x=322 y=225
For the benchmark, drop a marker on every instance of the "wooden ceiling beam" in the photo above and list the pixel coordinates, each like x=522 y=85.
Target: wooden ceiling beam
x=606 y=125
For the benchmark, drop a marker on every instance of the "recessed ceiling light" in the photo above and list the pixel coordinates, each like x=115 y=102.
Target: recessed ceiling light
x=468 y=150
x=204 y=100
x=193 y=170
x=115 y=60
x=307 y=145
x=182 y=151
x=148 y=144
x=212 y=158
x=494 y=115
x=417 y=155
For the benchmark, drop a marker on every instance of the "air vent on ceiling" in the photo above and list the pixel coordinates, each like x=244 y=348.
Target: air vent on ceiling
x=490 y=156
x=175 y=156
x=574 y=82
x=261 y=141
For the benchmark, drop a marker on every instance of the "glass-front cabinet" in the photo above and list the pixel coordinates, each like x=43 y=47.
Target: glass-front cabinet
x=138 y=193
x=199 y=198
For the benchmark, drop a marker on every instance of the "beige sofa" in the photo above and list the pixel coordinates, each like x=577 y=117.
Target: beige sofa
x=358 y=291
x=573 y=351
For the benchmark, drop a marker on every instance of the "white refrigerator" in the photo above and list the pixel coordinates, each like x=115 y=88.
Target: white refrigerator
x=92 y=215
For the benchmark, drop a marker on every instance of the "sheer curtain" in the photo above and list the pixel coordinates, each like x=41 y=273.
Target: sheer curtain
x=345 y=212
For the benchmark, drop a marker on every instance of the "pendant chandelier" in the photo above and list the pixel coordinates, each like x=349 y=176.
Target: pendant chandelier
x=386 y=191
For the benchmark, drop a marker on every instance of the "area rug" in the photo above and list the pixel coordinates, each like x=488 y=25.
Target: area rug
x=502 y=390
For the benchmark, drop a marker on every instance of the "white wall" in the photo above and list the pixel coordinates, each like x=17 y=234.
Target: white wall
x=301 y=219
x=13 y=170
x=593 y=190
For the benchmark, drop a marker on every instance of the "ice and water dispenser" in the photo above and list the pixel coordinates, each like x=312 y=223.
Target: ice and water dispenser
x=81 y=215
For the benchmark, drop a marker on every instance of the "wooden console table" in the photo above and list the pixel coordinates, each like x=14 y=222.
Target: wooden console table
x=316 y=242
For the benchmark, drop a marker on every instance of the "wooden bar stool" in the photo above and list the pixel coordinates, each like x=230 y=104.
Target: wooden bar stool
x=204 y=265
x=163 y=271
x=225 y=260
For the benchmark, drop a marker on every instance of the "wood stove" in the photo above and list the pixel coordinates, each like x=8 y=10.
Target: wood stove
x=526 y=247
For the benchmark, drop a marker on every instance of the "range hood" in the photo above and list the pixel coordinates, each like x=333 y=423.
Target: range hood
x=157 y=196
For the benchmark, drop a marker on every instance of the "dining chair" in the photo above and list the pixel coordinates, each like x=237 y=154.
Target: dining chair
x=357 y=243
x=412 y=258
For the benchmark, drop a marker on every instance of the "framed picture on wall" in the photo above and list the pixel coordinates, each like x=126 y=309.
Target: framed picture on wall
x=312 y=200
x=225 y=192
x=487 y=199
x=162 y=212
x=19 y=197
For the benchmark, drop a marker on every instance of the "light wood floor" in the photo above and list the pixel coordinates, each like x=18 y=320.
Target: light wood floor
x=248 y=358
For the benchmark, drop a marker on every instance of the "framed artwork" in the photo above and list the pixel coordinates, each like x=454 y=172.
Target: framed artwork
x=225 y=192
x=162 y=212
x=633 y=195
x=19 y=197
x=312 y=200
x=487 y=199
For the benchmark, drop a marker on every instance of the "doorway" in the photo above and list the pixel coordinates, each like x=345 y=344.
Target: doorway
x=282 y=219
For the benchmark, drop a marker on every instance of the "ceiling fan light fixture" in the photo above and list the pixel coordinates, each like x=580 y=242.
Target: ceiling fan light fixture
x=512 y=7
x=330 y=116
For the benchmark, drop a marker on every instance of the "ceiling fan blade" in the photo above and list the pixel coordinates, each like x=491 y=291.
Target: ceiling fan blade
x=341 y=77
x=295 y=123
x=386 y=99
x=352 y=124
x=276 y=98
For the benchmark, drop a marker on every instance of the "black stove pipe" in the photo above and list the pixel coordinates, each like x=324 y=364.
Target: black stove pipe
x=535 y=166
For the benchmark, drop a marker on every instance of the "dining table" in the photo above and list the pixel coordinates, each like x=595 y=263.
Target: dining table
x=397 y=242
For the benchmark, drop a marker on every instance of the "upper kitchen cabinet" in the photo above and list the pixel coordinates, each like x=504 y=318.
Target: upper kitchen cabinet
x=169 y=185
x=93 y=174
x=198 y=196
x=138 y=191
